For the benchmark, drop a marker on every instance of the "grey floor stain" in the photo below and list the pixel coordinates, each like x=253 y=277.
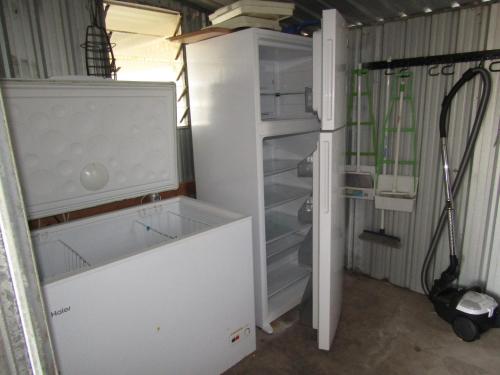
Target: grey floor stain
x=383 y=330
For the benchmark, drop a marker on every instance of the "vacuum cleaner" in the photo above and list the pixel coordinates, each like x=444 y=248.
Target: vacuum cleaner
x=470 y=311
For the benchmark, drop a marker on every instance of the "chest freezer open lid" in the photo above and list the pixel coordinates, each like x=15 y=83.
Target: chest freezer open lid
x=82 y=143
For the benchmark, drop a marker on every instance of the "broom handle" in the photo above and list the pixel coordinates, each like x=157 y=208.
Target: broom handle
x=384 y=165
x=398 y=136
x=358 y=125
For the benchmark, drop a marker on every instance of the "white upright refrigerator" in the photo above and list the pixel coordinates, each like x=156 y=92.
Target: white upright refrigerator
x=268 y=116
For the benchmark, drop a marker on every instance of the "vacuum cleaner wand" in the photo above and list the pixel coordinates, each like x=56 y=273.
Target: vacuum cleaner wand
x=451 y=273
x=452 y=187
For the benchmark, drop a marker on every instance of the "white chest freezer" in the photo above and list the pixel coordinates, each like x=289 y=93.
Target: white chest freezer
x=162 y=288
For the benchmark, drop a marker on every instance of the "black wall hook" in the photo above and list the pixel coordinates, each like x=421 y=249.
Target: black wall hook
x=445 y=70
x=493 y=65
x=432 y=70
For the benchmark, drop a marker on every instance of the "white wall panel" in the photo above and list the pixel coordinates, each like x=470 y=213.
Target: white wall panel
x=477 y=204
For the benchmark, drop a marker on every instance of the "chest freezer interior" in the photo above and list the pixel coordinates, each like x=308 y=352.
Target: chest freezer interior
x=67 y=249
x=286 y=76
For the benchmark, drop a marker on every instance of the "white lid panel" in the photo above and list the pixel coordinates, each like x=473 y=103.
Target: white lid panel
x=82 y=143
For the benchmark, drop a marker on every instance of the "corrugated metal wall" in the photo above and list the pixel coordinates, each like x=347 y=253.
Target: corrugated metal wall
x=477 y=204
x=42 y=39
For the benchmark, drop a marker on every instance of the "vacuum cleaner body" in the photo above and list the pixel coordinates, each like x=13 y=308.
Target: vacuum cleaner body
x=470 y=312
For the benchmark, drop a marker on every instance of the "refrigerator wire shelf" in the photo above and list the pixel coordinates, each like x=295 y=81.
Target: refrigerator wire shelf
x=276 y=166
x=280 y=225
x=278 y=194
x=278 y=247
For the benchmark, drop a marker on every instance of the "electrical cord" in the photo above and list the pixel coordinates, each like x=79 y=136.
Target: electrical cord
x=464 y=162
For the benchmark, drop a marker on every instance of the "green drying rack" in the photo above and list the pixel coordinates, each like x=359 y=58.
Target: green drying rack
x=360 y=178
x=394 y=191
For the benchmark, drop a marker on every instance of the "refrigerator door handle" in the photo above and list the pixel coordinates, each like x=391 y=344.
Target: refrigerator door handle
x=324 y=176
x=317 y=73
x=329 y=79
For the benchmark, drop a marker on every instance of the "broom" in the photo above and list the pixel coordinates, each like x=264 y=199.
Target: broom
x=380 y=236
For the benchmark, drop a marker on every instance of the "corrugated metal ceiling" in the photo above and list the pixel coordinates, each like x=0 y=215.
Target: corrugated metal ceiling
x=357 y=11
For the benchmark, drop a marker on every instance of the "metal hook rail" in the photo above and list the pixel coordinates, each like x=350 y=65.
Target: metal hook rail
x=493 y=54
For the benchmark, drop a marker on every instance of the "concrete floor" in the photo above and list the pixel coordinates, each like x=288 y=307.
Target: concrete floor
x=383 y=330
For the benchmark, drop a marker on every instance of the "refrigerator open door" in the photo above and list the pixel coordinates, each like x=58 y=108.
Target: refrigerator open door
x=315 y=242
x=331 y=214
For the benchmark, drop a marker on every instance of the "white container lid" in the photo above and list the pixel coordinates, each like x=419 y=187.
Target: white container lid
x=475 y=303
x=254 y=8
x=82 y=143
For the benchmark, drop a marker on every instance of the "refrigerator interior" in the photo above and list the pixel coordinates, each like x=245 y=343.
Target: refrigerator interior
x=240 y=128
x=73 y=248
x=287 y=243
x=284 y=74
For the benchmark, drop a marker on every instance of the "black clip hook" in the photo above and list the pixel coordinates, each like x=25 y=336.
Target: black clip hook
x=404 y=72
x=445 y=70
x=492 y=66
x=389 y=72
x=431 y=70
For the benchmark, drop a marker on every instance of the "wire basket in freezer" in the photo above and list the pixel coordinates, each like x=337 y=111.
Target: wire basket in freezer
x=57 y=257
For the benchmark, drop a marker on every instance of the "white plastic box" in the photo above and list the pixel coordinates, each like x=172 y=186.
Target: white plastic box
x=254 y=8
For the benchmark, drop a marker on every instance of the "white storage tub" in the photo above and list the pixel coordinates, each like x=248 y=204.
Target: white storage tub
x=164 y=288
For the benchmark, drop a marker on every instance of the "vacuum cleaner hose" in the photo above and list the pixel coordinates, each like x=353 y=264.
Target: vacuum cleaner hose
x=466 y=158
